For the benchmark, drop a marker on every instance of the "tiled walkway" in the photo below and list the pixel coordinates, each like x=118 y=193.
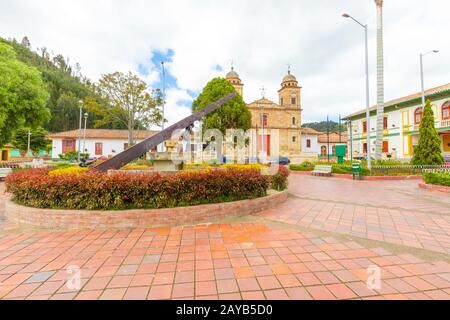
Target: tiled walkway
x=338 y=206
x=255 y=260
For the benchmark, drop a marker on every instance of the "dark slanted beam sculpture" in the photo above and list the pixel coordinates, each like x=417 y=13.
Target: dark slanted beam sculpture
x=143 y=147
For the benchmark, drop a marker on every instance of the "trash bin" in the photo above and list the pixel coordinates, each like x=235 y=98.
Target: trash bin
x=357 y=171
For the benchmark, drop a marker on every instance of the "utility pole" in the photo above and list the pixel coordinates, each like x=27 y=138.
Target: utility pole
x=29 y=143
x=328 y=139
x=422 y=81
x=380 y=82
x=79 y=130
x=84 y=137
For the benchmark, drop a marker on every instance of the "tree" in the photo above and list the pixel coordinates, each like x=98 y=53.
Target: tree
x=23 y=95
x=322 y=126
x=129 y=101
x=232 y=115
x=25 y=42
x=428 y=151
x=38 y=140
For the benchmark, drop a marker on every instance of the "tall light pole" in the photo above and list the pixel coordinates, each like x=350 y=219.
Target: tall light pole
x=79 y=130
x=263 y=93
x=422 y=81
x=29 y=143
x=86 y=115
x=380 y=82
x=369 y=159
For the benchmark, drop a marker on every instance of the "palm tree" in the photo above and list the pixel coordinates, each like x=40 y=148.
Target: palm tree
x=380 y=81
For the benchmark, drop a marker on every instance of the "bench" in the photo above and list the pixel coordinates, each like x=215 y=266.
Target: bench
x=4 y=172
x=322 y=171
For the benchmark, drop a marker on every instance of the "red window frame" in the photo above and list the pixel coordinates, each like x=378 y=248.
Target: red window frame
x=418 y=113
x=385 y=123
x=99 y=148
x=264 y=119
x=364 y=126
x=308 y=143
x=446 y=109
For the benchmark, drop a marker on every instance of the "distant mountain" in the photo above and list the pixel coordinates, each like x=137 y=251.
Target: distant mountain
x=322 y=126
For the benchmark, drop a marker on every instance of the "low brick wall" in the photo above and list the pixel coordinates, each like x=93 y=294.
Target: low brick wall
x=143 y=218
x=434 y=187
x=366 y=178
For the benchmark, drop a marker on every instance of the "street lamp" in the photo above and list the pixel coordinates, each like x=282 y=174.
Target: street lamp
x=79 y=130
x=86 y=115
x=369 y=159
x=421 y=74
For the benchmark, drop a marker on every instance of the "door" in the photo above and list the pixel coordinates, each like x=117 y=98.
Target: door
x=323 y=151
x=4 y=155
x=385 y=146
x=266 y=145
x=68 y=145
x=98 y=149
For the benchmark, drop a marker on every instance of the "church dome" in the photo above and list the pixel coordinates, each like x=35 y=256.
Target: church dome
x=232 y=74
x=289 y=77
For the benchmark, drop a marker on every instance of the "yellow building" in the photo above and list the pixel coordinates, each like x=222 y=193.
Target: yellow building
x=276 y=127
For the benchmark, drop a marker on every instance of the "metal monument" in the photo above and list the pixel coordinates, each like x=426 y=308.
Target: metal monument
x=143 y=147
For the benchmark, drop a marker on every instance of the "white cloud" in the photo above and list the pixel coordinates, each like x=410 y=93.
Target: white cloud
x=325 y=50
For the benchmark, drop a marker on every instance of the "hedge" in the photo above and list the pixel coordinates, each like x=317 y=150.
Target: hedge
x=335 y=167
x=441 y=179
x=98 y=191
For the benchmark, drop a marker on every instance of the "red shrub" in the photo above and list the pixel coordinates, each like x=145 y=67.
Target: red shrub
x=121 y=191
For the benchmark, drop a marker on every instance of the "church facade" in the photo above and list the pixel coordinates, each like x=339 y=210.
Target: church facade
x=276 y=127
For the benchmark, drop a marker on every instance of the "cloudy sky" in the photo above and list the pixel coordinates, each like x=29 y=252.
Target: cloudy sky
x=199 y=38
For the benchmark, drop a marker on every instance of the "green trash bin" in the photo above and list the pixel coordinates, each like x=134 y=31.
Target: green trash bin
x=357 y=171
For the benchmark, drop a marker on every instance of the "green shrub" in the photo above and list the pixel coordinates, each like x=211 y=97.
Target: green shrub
x=73 y=156
x=280 y=179
x=99 y=191
x=441 y=179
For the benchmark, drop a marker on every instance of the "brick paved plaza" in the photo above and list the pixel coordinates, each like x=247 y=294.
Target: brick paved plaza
x=317 y=245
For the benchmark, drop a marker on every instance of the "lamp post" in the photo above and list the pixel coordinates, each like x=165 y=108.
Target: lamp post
x=28 y=143
x=164 y=99
x=86 y=115
x=263 y=92
x=369 y=159
x=79 y=130
x=421 y=74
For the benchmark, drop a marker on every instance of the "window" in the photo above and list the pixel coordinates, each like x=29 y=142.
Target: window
x=364 y=126
x=281 y=102
x=385 y=123
x=293 y=121
x=323 y=151
x=293 y=101
x=334 y=150
x=294 y=139
x=68 y=146
x=264 y=120
x=446 y=111
x=418 y=113
x=308 y=143
x=98 y=149
x=365 y=147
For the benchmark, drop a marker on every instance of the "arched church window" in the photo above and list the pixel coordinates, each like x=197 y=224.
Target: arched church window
x=446 y=111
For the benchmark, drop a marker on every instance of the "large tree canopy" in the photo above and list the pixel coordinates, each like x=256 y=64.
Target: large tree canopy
x=38 y=139
x=428 y=151
x=23 y=95
x=232 y=115
x=128 y=101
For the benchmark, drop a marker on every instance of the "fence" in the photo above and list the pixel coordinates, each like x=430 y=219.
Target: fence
x=407 y=170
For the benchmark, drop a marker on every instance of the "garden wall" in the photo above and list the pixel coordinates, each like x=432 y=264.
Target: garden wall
x=144 y=218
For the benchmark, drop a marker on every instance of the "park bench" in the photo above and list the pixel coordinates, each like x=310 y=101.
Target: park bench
x=322 y=171
x=4 y=172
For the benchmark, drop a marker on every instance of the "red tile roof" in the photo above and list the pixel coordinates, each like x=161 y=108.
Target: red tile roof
x=102 y=134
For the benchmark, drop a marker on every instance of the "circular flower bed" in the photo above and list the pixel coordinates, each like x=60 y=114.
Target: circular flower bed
x=97 y=191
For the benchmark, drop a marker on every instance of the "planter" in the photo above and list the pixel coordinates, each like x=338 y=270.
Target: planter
x=434 y=187
x=142 y=218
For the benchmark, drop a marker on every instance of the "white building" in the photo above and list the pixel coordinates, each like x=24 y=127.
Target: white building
x=401 y=125
x=321 y=145
x=98 y=142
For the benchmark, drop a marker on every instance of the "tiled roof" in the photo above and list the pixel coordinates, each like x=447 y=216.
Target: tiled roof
x=417 y=95
x=102 y=134
x=334 y=138
x=310 y=131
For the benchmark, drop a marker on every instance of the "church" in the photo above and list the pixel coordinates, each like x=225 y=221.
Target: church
x=276 y=127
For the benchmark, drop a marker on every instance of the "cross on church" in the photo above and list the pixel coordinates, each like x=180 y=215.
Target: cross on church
x=263 y=92
x=289 y=68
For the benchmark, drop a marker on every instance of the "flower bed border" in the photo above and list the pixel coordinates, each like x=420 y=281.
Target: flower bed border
x=138 y=218
x=434 y=187
x=364 y=178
